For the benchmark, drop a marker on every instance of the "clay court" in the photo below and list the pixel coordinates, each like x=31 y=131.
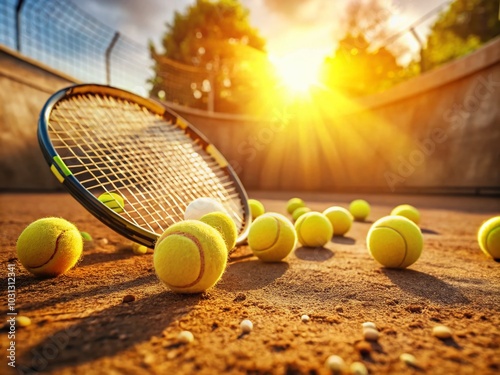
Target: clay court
x=80 y=324
x=430 y=140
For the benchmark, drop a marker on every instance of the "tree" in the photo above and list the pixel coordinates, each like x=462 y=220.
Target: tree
x=210 y=38
x=361 y=64
x=461 y=29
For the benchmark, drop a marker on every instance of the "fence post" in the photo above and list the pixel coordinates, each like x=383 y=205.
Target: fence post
x=19 y=8
x=108 y=57
x=421 y=43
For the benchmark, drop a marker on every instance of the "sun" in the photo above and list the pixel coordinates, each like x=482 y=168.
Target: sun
x=298 y=69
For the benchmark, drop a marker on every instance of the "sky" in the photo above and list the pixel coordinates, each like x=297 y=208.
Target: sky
x=287 y=25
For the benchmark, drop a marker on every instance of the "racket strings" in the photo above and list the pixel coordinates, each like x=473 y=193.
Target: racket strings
x=112 y=145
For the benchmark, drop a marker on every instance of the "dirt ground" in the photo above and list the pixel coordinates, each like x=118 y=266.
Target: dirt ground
x=80 y=324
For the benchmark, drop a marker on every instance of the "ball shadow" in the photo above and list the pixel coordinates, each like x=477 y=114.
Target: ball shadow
x=426 y=286
x=343 y=240
x=428 y=231
x=364 y=221
x=313 y=254
x=251 y=275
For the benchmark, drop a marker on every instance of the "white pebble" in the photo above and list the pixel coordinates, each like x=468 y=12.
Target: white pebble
x=408 y=358
x=246 y=326
x=102 y=241
x=185 y=337
x=358 y=368
x=335 y=364
x=305 y=318
x=370 y=334
x=369 y=325
x=441 y=332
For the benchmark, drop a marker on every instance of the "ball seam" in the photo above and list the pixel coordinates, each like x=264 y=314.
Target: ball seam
x=275 y=240
x=53 y=254
x=404 y=240
x=202 y=258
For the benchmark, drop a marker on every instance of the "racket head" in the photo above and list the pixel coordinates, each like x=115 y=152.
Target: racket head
x=99 y=139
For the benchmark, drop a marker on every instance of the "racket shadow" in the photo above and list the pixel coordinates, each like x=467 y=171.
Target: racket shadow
x=107 y=333
x=100 y=290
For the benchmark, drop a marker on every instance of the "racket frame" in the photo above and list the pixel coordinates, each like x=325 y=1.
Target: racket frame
x=105 y=214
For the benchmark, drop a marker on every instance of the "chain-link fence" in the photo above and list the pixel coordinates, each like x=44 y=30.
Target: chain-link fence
x=60 y=35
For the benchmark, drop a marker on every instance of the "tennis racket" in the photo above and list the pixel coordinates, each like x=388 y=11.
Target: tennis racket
x=99 y=139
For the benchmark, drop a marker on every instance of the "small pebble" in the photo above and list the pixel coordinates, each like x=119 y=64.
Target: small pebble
x=409 y=359
x=369 y=325
x=335 y=364
x=139 y=249
x=102 y=241
x=185 y=337
x=128 y=298
x=23 y=321
x=358 y=368
x=441 y=332
x=370 y=334
x=305 y=318
x=246 y=326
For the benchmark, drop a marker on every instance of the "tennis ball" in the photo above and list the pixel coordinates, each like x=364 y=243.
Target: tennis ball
x=407 y=211
x=359 y=209
x=293 y=204
x=314 y=229
x=272 y=237
x=299 y=212
x=113 y=200
x=224 y=225
x=340 y=218
x=138 y=249
x=190 y=257
x=395 y=241
x=202 y=206
x=49 y=246
x=256 y=208
x=489 y=238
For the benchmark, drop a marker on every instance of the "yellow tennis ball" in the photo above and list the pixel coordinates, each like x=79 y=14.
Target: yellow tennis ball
x=138 y=249
x=359 y=209
x=224 y=225
x=314 y=229
x=395 y=241
x=49 y=246
x=190 y=257
x=113 y=200
x=256 y=208
x=299 y=212
x=293 y=204
x=272 y=237
x=340 y=218
x=407 y=211
x=489 y=238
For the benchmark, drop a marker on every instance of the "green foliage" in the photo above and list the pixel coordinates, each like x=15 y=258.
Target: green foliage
x=461 y=29
x=209 y=36
x=360 y=65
